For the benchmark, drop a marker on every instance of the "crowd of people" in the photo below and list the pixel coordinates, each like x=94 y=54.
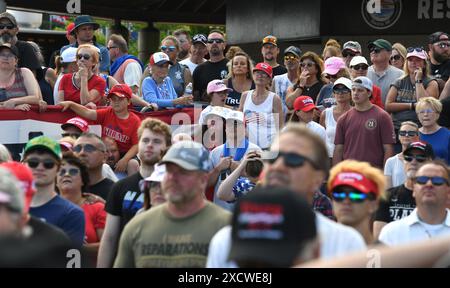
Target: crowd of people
x=295 y=164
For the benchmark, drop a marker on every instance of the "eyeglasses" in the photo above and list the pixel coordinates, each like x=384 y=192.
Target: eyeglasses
x=341 y=90
x=419 y=158
x=111 y=47
x=292 y=160
x=412 y=49
x=7 y=55
x=89 y=148
x=330 y=76
x=426 y=111
x=395 y=57
x=7 y=26
x=346 y=54
x=71 y=172
x=360 y=67
x=170 y=48
x=290 y=58
x=436 y=181
x=85 y=56
x=216 y=40
x=408 y=133
x=443 y=45
x=354 y=196
x=73 y=135
x=375 y=50
x=34 y=162
x=309 y=64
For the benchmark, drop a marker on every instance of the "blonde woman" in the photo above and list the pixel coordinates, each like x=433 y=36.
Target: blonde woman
x=241 y=78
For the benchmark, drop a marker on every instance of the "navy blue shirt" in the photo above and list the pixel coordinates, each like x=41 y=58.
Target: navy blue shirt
x=64 y=215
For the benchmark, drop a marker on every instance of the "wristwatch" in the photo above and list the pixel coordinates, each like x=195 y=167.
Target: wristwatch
x=419 y=81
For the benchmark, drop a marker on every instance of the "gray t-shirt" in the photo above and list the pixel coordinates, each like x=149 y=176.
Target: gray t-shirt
x=385 y=79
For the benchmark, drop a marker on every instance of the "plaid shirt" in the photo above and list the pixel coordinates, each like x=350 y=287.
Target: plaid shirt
x=322 y=204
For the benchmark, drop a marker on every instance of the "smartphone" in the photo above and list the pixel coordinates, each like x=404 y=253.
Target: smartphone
x=34 y=134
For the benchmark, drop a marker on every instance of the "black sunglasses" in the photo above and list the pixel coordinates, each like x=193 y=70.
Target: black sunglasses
x=412 y=49
x=375 y=50
x=7 y=26
x=85 y=56
x=341 y=90
x=215 y=40
x=419 y=158
x=408 y=133
x=436 y=181
x=111 y=47
x=331 y=76
x=73 y=135
x=291 y=159
x=34 y=162
x=89 y=148
x=71 y=172
x=304 y=64
x=355 y=196
x=395 y=57
x=360 y=67
x=346 y=53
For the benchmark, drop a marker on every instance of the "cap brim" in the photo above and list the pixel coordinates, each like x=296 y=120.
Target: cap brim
x=229 y=90
x=359 y=187
x=116 y=94
x=330 y=71
x=65 y=125
x=183 y=164
x=195 y=42
x=96 y=26
x=256 y=69
x=264 y=251
x=308 y=108
x=164 y=62
x=43 y=147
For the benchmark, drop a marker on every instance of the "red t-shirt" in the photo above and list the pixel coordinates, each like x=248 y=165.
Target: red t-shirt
x=364 y=133
x=72 y=93
x=95 y=218
x=124 y=131
x=376 y=96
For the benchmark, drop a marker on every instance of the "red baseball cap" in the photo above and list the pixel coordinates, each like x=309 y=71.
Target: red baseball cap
x=78 y=122
x=304 y=103
x=266 y=68
x=25 y=177
x=121 y=90
x=355 y=180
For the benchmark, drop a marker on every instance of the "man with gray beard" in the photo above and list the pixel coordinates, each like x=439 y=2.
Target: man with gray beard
x=8 y=34
x=126 y=198
x=399 y=201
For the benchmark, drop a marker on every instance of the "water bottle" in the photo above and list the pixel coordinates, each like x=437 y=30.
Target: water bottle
x=188 y=90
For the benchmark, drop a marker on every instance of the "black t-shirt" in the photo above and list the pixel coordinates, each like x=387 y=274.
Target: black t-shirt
x=441 y=71
x=313 y=91
x=444 y=118
x=46 y=247
x=206 y=72
x=102 y=188
x=400 y=204
x=27 y=57
x=234 y=97
x=125 y=199
x=279 y=70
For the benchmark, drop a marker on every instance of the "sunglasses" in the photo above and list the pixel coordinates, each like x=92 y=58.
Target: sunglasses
x=360 y=67
x=412 y=49
x=7 y=26
x=426 y=111
x=71 y=172
x=73 y=135
x=309 y=64
x=341 y=90
x=7 y=55
x=419 y=158
x=346 y=54
x=408 y=133
x=218 y=41
x=85 y=56
x=436 y=181
x=395 y=57
x=330 y=76
x=89 y=148
x=290 y=58
x=111 y=47
x=170 y=48
x=292 y=160
x=34 y=163
x=443 y=45
x=375 y=50
x=355 y=196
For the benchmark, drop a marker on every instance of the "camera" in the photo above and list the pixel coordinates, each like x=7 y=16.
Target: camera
x=254 y=167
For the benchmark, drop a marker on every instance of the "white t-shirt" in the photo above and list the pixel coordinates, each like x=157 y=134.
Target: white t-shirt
x=317 y=129
x=411 y=228
x=396 y=170
x=335 y=240
x=190 y=64
x=330 y=124
x=133 y=73
x=281 y=83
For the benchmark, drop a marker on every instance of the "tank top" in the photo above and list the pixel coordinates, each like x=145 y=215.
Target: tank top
x=330 y=130
x=176 y=74
x=234 y=97
x=260 y=120
x=17 y=89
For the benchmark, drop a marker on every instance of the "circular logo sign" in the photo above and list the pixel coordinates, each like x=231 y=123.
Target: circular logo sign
x=381 y=14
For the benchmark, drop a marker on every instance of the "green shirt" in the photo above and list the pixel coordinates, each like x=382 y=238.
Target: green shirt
x=157 y=239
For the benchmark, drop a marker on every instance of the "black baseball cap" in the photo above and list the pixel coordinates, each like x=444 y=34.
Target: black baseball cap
x=438 y=36
x=421 y=146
